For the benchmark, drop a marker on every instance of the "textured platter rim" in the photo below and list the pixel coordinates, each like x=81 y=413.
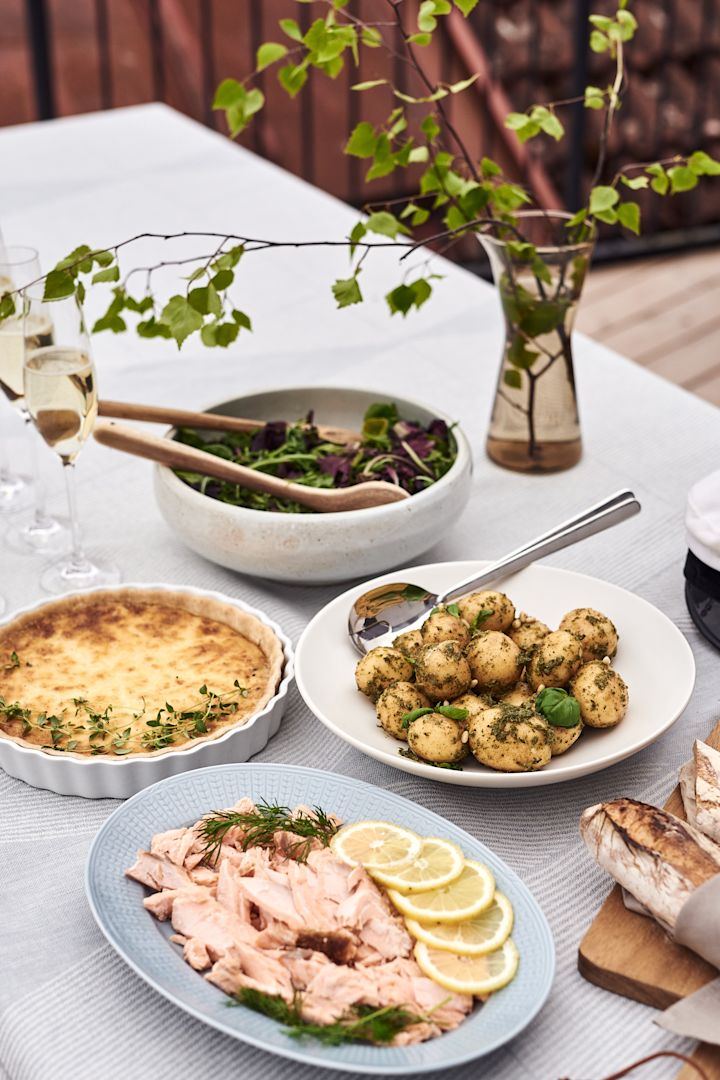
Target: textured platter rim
x=480 y=777
x=260 y=779
x=99 y=763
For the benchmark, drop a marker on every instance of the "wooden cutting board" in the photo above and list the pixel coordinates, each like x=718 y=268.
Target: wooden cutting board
x=629 y=954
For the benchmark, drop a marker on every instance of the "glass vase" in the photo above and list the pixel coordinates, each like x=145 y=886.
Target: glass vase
x=535 y=425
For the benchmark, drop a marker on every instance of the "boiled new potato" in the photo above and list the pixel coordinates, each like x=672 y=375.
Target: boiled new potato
x=510 y=738
x=517 y=694
x=502 y=609
x=555 y=661
x=494 y=659
x=528 y=635
x=442 y=625
x=409 y=644
x=601 y=694
x=562 y=738
x=594 y=631
x=437 y=738
x=442 y=672
x=394 y=702
x=473 y=704
x=379 y=668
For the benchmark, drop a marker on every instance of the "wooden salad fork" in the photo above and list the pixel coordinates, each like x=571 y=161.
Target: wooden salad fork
x=178 y=456
x=159 y=414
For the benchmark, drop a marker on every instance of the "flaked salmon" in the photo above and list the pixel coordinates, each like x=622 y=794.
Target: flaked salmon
x=262 y=919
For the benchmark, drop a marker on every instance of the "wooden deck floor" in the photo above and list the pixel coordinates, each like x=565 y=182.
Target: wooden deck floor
x=663 y=313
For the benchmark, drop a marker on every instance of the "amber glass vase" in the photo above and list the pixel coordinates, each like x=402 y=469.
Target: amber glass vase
x=539 y=275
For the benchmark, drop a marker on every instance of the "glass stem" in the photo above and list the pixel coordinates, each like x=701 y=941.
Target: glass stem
x=40 y=516
x=78 y=559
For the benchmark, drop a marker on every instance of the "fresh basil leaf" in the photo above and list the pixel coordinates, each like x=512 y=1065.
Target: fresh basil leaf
x=453 y=609
x=480 y=618
x=558 y=707
x=415 y=714
x=451 y=711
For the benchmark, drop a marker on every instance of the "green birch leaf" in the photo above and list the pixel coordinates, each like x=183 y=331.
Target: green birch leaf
x=362 y=140
x=242 y=319
x=346 y=292
x=430 y=128
x=594 y=97
x=59 y=284
x=291 y=28
x=682 y=178
x=151 y=328
x=419 y=39
x=181 y=318
x=635 y=183
x=466 y=6
x=230 y=92
x=7 y=306
x=268 y=53
x=602 y=198
x=370 y=84
x=599 y=43
x=205 y=300
x=222 y=279
x=629 y=216
x=292 y=78
x=513 y=379
x=703 y=165
x=112 y=273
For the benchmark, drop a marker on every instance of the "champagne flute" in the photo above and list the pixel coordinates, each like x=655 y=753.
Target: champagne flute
x=61 y=394
x=32 y=328
x=16 y=269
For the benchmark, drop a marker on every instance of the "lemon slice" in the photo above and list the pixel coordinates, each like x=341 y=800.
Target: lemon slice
x=469 y=974
x=438 y=863
x=376 y=844
x=473 y=937
x=463 y=898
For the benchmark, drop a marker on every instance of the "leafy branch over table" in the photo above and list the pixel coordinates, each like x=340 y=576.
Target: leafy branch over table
x=418 y=134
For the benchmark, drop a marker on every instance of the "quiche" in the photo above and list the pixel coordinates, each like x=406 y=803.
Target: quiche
x=133 y=671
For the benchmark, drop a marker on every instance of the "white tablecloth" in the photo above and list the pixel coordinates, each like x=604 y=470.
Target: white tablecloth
x=69 y=1008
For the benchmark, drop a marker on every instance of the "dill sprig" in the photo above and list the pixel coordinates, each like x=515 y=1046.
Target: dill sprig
x=260 y=825
x=362 y=1023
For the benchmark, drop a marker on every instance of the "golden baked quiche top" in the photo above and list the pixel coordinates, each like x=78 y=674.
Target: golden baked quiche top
x=133 y=671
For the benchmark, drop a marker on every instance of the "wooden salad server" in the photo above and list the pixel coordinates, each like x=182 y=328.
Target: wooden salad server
x=159 y=414
x=178 y=456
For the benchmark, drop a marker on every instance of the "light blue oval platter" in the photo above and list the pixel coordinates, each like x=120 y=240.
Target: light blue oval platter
x=142 y=941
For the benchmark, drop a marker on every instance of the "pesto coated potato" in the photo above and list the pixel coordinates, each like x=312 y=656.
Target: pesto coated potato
x=409 y=644
x=494 y=660
x=379 y=668
x=473 y=704
x=601 y=694
x=437 y=738
x=555 y=661
x=517 y=694
x=394 y=702
x=528 y=635
x=594 y=631
x=562 y=738
x=510 y=738
x=442 y=672
x=444 y=626
x=503 y=610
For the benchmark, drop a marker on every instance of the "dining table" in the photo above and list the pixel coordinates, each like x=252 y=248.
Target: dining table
x=70 y=1009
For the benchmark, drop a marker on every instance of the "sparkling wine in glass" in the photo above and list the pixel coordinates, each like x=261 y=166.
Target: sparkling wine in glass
x=61 y=395
x=31 y=327
x=16 y=269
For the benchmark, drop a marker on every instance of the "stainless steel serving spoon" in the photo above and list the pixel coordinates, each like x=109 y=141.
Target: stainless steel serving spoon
x=398 y=606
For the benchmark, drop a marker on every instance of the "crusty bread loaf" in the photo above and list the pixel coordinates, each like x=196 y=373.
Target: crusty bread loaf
x=664 y=835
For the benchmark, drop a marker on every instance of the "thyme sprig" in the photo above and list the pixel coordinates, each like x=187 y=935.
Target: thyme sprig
x=260 y=825
x=362 y=1023
x=109 y=731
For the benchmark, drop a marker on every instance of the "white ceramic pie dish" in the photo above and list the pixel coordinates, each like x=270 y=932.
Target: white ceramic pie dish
x=118 y=778
x=317 y=548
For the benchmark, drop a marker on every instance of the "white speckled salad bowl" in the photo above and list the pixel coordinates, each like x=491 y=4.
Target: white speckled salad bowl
x=316 y=548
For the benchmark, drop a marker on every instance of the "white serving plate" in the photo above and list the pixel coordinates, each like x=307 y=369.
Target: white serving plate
x=117 y=778
x=142 y=941
x=653 y=658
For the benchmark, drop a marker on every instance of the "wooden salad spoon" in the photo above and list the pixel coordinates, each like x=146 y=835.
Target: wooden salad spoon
x=178 y=456
x=156 y=414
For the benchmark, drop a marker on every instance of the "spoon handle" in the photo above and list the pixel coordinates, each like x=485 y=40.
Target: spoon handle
x=595 y=519
x=161 y=414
